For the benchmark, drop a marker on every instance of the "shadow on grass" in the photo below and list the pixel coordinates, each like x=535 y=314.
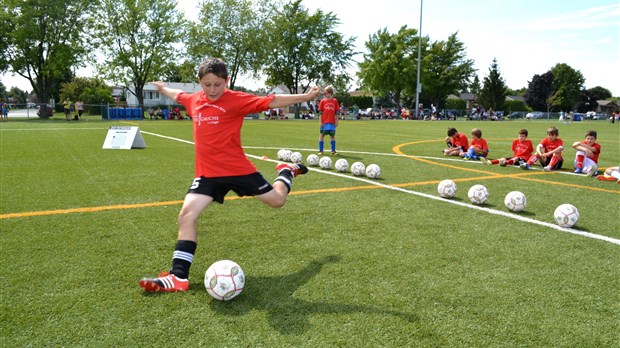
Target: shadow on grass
x=287 y=314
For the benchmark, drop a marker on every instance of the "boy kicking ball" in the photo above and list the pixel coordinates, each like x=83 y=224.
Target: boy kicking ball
x=221 y=164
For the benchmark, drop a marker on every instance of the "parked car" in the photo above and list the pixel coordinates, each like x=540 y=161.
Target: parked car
x=31 y=105
x=516 y=114
x=535 y=115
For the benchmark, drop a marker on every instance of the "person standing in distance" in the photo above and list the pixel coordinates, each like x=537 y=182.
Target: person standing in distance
x=328 y=107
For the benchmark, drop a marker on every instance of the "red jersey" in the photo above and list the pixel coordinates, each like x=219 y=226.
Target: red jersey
x=329 y=107
x=595 y=154
x=549 y=145
x=480 y=143
x=522 y=149
x=460 y=139
x=217 y=131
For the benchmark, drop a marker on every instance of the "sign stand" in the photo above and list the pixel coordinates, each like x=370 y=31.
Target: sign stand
x=124 y=138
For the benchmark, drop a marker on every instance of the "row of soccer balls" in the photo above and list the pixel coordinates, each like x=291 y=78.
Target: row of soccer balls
x=565 y=215
x=373 y=171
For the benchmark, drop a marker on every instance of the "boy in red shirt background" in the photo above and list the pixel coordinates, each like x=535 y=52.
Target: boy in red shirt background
x=457 y=143
x=328 y=107
x=522 y=149
x=586 y=158
x=548 y=152
x=478 y=148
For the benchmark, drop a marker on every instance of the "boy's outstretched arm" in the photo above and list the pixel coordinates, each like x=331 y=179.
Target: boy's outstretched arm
x=282 y=100
x=168 y=92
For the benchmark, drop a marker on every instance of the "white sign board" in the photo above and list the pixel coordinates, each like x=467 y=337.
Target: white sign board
x=124 y=138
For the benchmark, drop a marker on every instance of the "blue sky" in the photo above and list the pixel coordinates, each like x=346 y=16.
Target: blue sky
x=526 y=37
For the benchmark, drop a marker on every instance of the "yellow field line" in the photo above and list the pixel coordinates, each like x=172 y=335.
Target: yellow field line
x=488 y=175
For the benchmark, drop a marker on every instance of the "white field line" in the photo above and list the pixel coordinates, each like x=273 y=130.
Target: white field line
x=420 y=194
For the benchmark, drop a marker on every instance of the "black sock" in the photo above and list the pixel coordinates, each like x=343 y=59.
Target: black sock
x=285 y=176
x=182 y=258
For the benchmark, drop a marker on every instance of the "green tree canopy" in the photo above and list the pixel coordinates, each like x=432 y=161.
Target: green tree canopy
x=305 y=49
x=46 y=41
x=494 y=91
x=390 y=66
x=235 y=33
x=539 y=90
x=567 y=86
x=446 y=70
x=138 y=38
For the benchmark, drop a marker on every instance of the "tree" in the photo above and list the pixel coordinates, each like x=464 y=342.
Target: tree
x=445 y=70
x=539 y=90
x=474 y=87
x=137 y=38
x=390 y=66
x=567 y=86
x=493 y=93
x=46 y=41
x=306 y=49
x=589 y=97
x=235 y=33
x=94 y=92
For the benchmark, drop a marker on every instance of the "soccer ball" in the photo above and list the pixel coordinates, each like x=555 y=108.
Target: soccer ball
x=284 y=155
x=515 y=201
x=358 y=168
x=295 y=157
x=478 y=194
x=566 y=215
x=312 y=160
x=224 y=280
x=342 y=165
x=325 y=162
x=447 y=188
x=373 y=171
x=592 y=171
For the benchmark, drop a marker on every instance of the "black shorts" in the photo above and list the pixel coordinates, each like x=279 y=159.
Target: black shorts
x=244 y=185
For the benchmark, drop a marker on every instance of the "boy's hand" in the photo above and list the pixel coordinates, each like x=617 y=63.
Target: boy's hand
x=313 y=93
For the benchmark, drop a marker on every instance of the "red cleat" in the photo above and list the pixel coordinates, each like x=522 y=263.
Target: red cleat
x=165 y=282
x=296 y=168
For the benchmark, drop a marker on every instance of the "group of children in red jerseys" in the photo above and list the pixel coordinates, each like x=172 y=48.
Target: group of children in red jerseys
x=548 y=152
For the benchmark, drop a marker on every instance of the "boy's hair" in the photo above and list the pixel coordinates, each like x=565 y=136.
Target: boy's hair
x=553 y=131
x=215 y=66
x=591 y=133
x=523 y=131
x=328 y=90
x=452 y=132
x=476 y=132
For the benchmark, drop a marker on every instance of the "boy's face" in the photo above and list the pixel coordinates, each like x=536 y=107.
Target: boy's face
x=551 y=136
x=522 y=137
x=590 y=140
x=213 y=86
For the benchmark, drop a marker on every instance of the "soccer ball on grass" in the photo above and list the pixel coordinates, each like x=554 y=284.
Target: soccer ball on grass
x=447 y=188
x=515 y=201
x=373 y=171
x=566 y=215
x=284 y=155
x=342 y=165
x=295 y=157
x=312 y=160
x=224 y=280
x=325 y=162
x=478 y=194
x=358 y=168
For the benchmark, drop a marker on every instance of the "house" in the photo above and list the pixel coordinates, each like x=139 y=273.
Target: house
x=151 y=96
x=606 y=106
